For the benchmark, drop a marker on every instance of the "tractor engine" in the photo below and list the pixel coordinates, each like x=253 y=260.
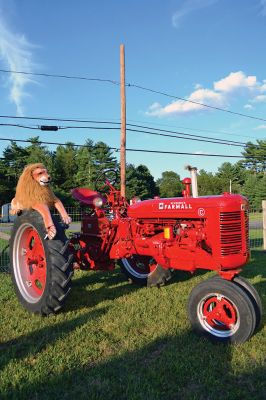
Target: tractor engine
x=187 y=233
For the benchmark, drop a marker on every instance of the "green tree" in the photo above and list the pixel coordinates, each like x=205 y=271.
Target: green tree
x=39 y=154
x=13 y=161
x=170 y=184
x=248 y=189
x=65 y=168
x=260 y=192
x=209 y=184
x=85 y=165
x=140 y=182
x=231 y=173
x=255 y=156
x=102 y=161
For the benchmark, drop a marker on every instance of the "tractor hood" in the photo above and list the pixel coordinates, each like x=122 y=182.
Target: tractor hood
x=185 y=207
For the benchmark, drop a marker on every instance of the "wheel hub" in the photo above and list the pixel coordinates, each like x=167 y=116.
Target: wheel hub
x=218 y=315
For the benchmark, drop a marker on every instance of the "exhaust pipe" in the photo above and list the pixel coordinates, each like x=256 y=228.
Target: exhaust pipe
x=194 y=182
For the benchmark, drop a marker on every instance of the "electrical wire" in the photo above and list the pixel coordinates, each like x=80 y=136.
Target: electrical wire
x=83 y=78
x=133 y=85
x=116 y=149
x=20 y=126
x=78 y=120
x=219 y=132
x=185 y=136
x=196 y=102
x=85 y=121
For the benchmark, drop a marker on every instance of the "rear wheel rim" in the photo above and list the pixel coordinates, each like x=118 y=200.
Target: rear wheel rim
x=218 y=315
x=139 y=266
x=29 y=263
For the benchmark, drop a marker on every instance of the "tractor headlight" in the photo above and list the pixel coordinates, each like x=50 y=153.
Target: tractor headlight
x=98 y=202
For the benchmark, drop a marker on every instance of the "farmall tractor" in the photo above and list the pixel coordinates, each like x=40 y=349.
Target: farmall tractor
x=149 y=239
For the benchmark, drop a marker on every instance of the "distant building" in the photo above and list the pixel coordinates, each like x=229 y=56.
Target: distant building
x=5 y=215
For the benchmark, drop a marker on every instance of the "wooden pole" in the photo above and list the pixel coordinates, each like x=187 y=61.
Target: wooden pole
x=123 y=122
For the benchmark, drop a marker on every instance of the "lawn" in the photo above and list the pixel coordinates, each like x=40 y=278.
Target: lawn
x=114 y=340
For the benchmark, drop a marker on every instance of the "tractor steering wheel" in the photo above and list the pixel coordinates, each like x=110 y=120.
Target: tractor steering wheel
x=110 y=175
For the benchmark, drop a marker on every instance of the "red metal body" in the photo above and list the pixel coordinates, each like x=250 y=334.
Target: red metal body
x=179 y=233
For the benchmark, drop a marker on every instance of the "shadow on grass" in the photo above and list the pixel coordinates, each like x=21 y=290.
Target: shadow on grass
x=37 y=341
x=180 y=367
x=85 y=295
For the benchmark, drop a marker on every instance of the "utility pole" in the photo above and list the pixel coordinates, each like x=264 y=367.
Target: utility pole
x=123 y=122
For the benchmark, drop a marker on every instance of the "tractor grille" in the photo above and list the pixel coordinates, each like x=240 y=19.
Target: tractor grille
x=230 y=230
x=247 y=229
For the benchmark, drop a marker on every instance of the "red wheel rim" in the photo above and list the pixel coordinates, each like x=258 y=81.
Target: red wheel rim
x=218 y=315
x=29 y=263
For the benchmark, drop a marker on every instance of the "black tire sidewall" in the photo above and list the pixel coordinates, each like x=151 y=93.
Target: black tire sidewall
x=34 y=219
x=252 y=294
x=234 y=294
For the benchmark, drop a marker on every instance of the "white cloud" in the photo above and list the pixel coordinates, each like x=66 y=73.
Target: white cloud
x=261 y=98
x=220 y=95
x=260 y=127
x=248 y=107
x=16 y=53
x=205 y=96
x=188 y=7
x=234 y=81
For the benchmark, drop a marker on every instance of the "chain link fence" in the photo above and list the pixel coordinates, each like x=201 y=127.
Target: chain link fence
x=255 y=233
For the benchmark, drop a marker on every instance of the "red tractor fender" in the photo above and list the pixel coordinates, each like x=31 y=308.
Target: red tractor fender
x=87 y=197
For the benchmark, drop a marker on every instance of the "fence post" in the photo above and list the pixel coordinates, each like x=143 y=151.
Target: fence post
x=264 y=223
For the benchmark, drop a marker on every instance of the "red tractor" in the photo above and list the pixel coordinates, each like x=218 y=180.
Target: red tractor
x=149 y=239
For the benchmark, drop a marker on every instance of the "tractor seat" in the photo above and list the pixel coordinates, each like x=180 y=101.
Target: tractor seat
x=85 y=196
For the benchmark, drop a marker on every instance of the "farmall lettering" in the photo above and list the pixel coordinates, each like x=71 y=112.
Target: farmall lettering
x=175 y=205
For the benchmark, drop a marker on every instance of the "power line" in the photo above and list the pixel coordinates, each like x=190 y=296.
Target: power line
x=185 y=136
x=129 y=149
x=105 y=122
x=196 y=102
x=83 y=78
x=85 y=121
x=20 y=126
x=219 y=132
x=78 y=120
x=129 y=85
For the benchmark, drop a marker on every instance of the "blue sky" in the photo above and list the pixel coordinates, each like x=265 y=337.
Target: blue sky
x=208 y=51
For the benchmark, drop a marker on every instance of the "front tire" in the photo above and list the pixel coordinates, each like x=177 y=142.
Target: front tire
x=222 y=311
x=144 y=271
x=251 y=292
x=41 y=269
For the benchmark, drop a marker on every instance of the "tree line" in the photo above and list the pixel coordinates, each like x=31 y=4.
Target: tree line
x=72 y=167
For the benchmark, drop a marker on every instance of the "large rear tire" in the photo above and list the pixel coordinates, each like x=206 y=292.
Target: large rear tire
x=144 y=271
x=222 y=311
x=41 y=269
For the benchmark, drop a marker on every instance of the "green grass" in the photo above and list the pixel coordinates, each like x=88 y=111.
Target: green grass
x=4 y=255
x=256 y=239
x=255 y=216
x=116 y=341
